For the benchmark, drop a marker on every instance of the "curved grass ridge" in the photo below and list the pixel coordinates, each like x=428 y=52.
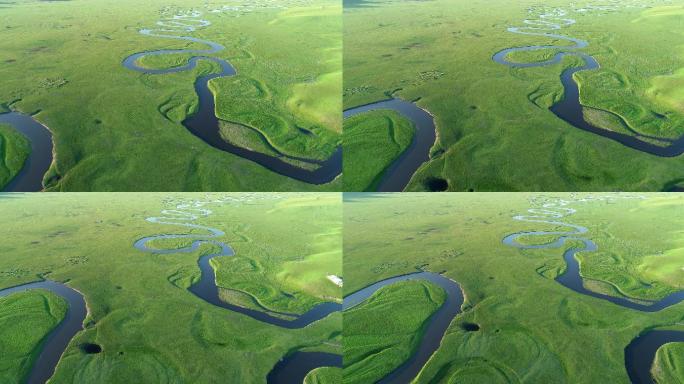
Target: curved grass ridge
x=205 y=125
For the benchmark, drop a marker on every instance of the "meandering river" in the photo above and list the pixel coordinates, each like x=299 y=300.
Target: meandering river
x=570 y=108
x=57 y=340
x=435 y=330
x=640 y=353
x=205 y=125
x=293 y=367
x=397 y=176
x=30 y=178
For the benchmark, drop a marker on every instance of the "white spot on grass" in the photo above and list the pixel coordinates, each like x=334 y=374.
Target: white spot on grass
x=336 y=280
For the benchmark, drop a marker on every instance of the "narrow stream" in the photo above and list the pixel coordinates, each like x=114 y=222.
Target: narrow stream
x=434 y=332
x=30 y=178
x=205 y=125
x=640 y=353
x=570 y=108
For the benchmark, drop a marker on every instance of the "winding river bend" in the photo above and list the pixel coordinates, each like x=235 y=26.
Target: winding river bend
x=641 y=351
x=294 y=368
x=397 y=176
x=570 y=108
x=291 y=367
x=58 y=339
x=205 y=125
x=30 y=178
x=439 y=322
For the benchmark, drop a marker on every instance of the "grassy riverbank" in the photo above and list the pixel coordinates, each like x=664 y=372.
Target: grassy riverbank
x=123 y=131
x=531 y=327
x=381 y=333
x=324 y=375
x=669 y=367
x=641 y=252
x=14 y=150
x=372 y=141
x=494 y=127
x=25 y=320
x=149 y=326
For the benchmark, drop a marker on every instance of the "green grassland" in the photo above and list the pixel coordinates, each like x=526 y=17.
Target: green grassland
x=383 y=332
x=116 y=129
x=641 y=245
x=371 y=142
x=532 y=329
x=25 y=320
x=324 y=375
x=150 y=327
x=302 y=90
x=495 y=132
x=668 y=367
x=14 y=150
x=245 y=137
x=642 y=91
